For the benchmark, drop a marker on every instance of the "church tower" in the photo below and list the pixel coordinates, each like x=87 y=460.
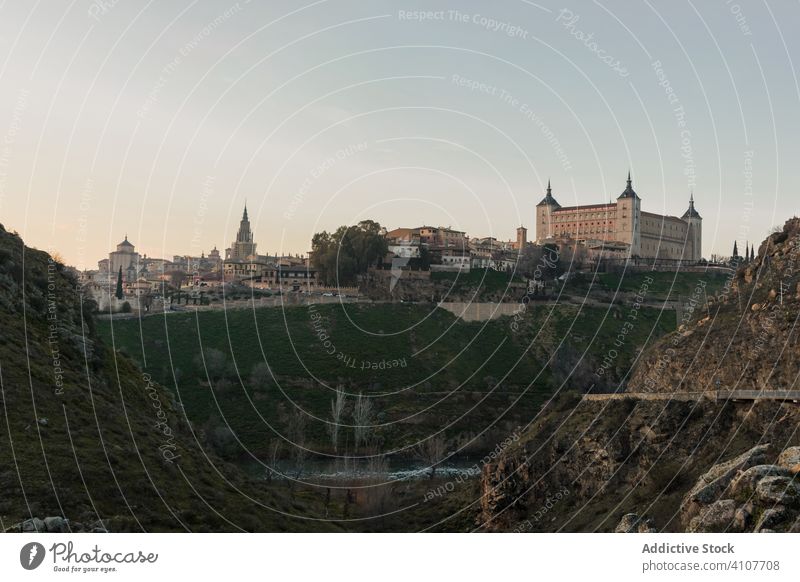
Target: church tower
x=243 y=246
x=694 y=238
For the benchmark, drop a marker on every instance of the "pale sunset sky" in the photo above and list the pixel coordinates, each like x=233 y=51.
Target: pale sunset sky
x=159 y=119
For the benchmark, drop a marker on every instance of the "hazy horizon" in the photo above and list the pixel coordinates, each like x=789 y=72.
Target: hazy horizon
x=159 y=122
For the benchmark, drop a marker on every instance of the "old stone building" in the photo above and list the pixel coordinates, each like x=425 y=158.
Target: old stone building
x=622 y=224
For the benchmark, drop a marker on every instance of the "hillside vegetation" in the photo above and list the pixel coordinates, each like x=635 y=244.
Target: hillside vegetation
x=85 y=435
x=423 y=369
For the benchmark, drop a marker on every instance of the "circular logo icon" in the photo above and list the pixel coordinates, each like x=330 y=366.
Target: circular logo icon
x=31 y=555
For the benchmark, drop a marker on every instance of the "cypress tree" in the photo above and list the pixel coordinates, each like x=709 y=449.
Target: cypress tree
x=119 y=294
x=735 y=250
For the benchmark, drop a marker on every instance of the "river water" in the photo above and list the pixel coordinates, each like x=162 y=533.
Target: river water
x=363 y=469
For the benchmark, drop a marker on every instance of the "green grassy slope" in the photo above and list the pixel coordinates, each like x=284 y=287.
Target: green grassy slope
x=81 y=435
x=471 y=379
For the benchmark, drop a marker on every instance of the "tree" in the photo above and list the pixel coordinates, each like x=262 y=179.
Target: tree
x=274 y=454
x=423 y=262
x=213 y=361
x=297 y=436
x=119 y=294
x=126 y=308
x=261 y=377
x=431 y=451
x=343 y=255
x=362 y=419
x=380 y=488
x=337 y=411
x=176 y=278
x=735 y=250
x=529 y=259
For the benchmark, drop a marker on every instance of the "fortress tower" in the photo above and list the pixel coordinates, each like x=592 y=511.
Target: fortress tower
x=694 y=240
x=544 y=215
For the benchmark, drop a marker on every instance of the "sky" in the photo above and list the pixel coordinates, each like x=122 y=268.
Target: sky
x=160 y=120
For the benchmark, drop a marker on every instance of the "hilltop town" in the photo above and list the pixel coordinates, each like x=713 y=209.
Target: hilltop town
x=581 y=239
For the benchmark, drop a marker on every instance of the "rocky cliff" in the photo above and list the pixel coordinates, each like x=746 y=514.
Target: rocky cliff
x=745 y=338
x=699 y=464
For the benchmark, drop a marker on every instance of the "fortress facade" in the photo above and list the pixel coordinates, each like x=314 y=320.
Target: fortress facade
x=622 y=224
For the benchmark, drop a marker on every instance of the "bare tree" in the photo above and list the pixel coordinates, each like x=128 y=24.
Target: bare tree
x=378 y=487
x=337 y=411
x=297 y=436
x=431 y=451
x=362 y=419
x=274 y=453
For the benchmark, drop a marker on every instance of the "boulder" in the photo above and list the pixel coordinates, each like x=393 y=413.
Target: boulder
x=632 y=523
x=33 y=525
x=795 y=528
x=771 y=518
x=778 y=490
x=56 y=524
x=710 y=487
x=745 y=481
x=627 y=524
x=717 y=517
x=743 y=517
x=789 y=459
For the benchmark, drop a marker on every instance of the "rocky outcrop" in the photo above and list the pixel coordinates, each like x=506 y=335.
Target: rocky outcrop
x=790 y=460
x=57 y=524
x=632 y=523
x=503 y=490
x=746 y=339
x=718 y=516
x=716 y=481
x=756 y=498
x=669 y=464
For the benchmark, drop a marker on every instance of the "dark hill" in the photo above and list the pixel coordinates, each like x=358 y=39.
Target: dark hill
x=85 y=435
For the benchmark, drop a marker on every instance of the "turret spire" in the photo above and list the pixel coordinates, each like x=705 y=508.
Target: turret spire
x=691 y=212
x=628 y=193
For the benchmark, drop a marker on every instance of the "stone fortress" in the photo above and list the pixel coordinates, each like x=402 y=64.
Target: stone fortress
x=622 y=227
